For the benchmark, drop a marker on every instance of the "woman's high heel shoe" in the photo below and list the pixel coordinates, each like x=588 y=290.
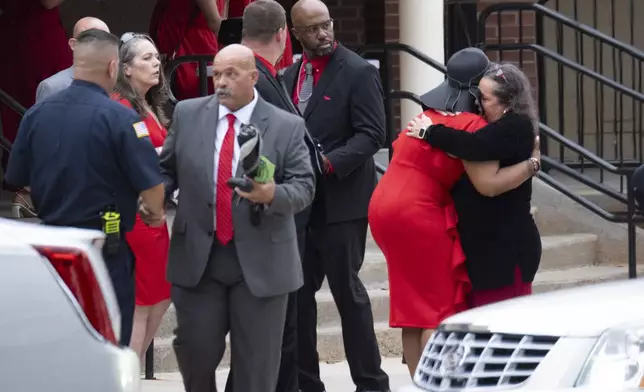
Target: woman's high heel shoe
x=19 y=211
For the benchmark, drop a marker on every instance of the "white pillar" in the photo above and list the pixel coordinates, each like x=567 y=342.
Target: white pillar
x=422 y=27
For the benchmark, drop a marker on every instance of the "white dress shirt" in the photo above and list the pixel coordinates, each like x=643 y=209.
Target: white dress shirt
x=242 y=116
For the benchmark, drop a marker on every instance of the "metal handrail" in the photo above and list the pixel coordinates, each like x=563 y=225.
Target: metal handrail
x=202 y=61
x=568 y=63
x=16 y=107
x=572 y=23
x=630 y=219
x=12 y=103
x=400 y=47
x=397 y=94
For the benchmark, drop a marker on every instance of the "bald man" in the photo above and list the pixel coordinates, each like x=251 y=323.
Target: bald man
x=341 y=98
x=230 y=273
x=63 y=79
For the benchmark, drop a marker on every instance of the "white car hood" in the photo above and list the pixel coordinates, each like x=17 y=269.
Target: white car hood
x=578 y=312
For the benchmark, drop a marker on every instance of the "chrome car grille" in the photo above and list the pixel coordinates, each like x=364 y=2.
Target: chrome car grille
x=456 y=361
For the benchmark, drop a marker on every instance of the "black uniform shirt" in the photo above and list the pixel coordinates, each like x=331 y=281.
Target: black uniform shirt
x=81 y=152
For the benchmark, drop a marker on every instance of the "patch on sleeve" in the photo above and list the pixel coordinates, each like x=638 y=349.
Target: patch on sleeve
x=140 y=129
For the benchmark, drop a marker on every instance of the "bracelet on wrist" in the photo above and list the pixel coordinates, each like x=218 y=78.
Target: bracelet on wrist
x=536 y=166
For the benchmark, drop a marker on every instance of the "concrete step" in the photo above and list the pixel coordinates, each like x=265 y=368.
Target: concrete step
x=330 y=347
x=576 y=250
x=612 y=181
x=550 y=280
x=327 y=311
x=569 y=250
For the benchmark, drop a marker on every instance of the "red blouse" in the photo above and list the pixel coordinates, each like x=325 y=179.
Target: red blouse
x=158 y=133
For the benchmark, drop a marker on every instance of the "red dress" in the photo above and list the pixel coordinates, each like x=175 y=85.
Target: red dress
x=236 y=10
x=35 y=47
x=413 y=221
x=181 y=27
x=150 y=245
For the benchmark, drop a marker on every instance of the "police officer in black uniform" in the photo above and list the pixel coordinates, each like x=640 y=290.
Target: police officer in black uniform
x=88 y=159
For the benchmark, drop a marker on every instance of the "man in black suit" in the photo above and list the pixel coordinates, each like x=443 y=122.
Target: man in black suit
x=264 y=32
x=341 y=99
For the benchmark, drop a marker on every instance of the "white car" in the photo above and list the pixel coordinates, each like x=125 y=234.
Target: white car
x=583 y=339
x=60 y=320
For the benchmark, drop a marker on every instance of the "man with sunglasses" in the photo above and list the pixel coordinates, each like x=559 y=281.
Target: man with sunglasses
x=340 y=96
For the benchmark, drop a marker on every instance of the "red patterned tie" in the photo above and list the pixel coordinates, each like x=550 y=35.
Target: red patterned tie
x=224 y=202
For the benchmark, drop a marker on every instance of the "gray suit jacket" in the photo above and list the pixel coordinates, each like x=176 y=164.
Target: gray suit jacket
x=55 y=83
x=268 y=253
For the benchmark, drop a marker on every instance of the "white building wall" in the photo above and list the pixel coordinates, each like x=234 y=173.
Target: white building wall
x=422 y=27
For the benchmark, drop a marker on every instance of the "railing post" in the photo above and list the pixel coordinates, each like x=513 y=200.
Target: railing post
x=541 y=82
x=632 y=248
x=386 y=86
x=203 y=77
x=149 y=362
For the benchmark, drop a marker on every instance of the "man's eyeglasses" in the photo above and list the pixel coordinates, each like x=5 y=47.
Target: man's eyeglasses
x=313 y=30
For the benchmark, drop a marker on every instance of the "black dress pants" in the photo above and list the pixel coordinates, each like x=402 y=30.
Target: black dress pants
x=120 y=267
x=337 y=252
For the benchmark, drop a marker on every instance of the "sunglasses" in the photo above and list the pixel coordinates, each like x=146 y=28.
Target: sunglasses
x=126 y=37
x=500 y=75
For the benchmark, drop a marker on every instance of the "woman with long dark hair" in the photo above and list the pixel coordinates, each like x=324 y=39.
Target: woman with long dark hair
x=499 y=236
x=141 y=85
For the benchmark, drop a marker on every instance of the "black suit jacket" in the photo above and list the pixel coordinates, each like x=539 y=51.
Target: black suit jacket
x=346 y=116
x=273 y=91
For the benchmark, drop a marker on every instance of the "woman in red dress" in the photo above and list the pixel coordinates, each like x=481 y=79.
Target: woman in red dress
x=141 y=85
x=412 y=216
x=183 y=28
x=35 y=47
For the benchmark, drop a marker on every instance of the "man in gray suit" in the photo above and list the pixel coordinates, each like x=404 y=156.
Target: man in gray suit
x=63 y=79
x=228 y=274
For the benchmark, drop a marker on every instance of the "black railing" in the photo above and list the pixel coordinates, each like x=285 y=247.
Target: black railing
x=617 y=16
x=585 y=77
x=202 y=60
x=630 y=218
x=386 y=50
x=14 y=105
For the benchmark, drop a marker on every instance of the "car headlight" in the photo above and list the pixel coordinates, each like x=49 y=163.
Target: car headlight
x=617 y=360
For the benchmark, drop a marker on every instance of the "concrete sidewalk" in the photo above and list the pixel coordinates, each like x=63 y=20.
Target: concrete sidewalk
x=336 y=378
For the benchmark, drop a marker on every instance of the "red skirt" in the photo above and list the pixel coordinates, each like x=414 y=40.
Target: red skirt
x=150 y=246
x=517 y=289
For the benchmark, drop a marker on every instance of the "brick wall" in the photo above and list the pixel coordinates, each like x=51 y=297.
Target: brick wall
x=349 y=21
x=510 y=27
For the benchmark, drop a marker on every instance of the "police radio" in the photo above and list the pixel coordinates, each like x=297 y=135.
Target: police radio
x=112 y=228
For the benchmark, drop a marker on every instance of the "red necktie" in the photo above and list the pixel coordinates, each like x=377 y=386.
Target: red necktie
x=224 y=202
